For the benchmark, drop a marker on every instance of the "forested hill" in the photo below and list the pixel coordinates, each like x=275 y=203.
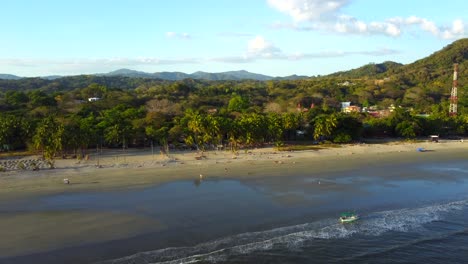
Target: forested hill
x=200 y=75
x=371 y=70
x=74 y=82
x=176 y=76
x=437 y=67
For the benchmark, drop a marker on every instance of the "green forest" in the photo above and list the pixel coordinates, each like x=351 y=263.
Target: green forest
x=57 y=116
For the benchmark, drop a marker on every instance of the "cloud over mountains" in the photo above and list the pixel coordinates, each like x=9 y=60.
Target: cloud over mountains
x=327 y=15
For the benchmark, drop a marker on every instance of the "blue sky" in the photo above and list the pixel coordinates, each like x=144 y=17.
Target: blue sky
x=273 y=37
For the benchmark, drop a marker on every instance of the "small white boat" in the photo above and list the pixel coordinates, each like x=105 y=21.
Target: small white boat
x=348 y=217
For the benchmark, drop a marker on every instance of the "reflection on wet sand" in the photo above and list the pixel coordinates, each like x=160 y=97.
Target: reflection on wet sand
x=29 y=232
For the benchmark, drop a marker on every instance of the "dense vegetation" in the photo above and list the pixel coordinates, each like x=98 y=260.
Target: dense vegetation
x=56 y=115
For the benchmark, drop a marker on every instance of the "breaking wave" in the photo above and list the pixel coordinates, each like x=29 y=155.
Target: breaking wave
x=293 y=237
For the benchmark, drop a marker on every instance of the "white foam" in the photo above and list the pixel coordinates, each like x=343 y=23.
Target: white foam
x=293 y=237
x=450 y=169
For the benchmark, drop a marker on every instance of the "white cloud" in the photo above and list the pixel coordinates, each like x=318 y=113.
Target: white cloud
x=326 y=15
x=184 y=35
x=331 y=54
x=347 y=25
x=429 y=26
x=171 y=34
x=361 y=27
x=456 y=31
x=261 y=47
x=458 y=27
x=307 y=10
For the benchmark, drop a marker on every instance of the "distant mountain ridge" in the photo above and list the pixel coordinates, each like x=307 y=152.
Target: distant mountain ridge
x=176 y=76
x=438 y=65
x=9 y=77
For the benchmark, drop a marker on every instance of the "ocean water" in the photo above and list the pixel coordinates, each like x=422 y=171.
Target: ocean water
x=414 y=213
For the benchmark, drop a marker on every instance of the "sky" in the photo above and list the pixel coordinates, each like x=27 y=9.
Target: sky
x=272 y=37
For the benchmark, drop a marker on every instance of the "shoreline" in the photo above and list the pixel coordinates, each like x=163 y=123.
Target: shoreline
x=139 y=168
x=116 y=205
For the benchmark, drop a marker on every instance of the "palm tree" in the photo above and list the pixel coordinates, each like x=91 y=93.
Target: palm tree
x=48 y=138
x=324 y=125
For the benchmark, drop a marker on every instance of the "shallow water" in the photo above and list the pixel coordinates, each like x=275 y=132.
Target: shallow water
x=414 y=213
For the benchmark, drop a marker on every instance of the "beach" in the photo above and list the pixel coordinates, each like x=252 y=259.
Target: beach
x=134 y=201
x=117 y=169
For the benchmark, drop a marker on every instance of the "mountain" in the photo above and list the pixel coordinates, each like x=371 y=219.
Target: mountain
x=175 y=76
x=52 y=77
x=370 y=70
x=437 y=67
x=128 y=73
x=292 y=77
x=172 y=76
x=9 y=77
x=14 y=77
x=230 y=75
x=456 y=52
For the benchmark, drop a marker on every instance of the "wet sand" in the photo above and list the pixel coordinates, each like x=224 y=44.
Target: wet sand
x=29 y=232
x=55 y=225
x=140 y=168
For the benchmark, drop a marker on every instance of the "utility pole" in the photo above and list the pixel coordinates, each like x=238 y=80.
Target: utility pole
x=453 y=93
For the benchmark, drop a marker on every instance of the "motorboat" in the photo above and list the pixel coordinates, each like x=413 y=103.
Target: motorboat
x=348 y=217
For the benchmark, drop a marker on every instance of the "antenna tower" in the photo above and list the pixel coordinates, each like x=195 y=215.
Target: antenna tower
x=453 y=94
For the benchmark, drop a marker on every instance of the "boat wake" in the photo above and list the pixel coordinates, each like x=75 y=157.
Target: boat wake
x=293 y=237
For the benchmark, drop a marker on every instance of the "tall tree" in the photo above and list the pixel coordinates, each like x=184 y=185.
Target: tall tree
x=14 y=132
x=48 y=138
x=324 y=125
x=116 y=124
x=157 y=129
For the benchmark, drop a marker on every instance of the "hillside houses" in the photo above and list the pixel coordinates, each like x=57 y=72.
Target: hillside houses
x=93 y=99
x=351 y=109
x=346 y=107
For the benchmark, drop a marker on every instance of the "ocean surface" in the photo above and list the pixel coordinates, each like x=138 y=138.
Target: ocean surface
x=411 y=213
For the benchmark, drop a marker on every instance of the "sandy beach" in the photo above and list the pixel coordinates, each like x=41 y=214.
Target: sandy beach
x=116 y=196
x=115 y=169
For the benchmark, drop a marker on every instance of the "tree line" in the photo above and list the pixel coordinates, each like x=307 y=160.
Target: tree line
x=205 y=114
